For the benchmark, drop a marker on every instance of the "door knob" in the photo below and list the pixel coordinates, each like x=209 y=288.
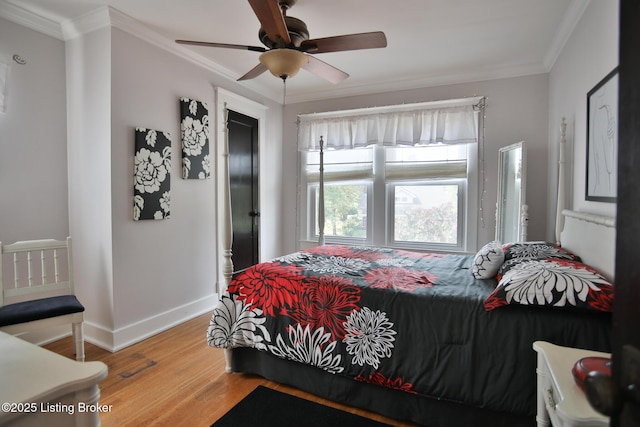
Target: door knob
x=603 y=393
x=254 y=214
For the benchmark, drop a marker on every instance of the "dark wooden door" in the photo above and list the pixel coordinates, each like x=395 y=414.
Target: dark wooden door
x=626 y=317
x=243 y=175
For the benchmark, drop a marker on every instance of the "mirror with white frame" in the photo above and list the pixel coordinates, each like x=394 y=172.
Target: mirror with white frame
x=511 y=208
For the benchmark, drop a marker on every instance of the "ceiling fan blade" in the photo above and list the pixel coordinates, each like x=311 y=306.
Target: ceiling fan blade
x=271 y=19
x=375 y=39
x=324 y=70
x=254 y=72
x=224 y=45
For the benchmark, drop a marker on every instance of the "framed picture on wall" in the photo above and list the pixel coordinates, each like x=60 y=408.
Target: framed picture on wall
x=194 y=127
x=152 y=175
x=602 y=140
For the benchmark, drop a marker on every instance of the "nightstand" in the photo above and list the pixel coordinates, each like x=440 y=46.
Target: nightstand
x=40 y=387
x=559 y=399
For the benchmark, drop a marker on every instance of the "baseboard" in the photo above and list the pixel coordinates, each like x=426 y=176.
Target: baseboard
x=47 y=335
x=114 y=340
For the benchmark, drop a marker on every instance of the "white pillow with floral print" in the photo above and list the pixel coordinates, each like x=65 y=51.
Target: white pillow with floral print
x=488 y=260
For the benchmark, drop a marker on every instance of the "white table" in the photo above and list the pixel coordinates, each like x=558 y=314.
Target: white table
x=559 y=397
x=39 y=387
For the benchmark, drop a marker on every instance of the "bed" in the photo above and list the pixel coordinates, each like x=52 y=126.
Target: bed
x=436 y=339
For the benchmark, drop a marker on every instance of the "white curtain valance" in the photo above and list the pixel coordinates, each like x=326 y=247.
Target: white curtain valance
x=408 y=125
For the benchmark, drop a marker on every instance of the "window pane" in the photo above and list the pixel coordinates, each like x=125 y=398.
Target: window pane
x=426 y=213
x=337 y=157
x=345 y=208
x=426 y=154
x=340 y=165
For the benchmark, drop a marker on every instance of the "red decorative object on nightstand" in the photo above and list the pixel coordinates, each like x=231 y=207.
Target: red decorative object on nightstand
x=585 y=365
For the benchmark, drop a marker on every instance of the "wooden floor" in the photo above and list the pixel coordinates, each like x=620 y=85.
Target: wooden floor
x=176 y=379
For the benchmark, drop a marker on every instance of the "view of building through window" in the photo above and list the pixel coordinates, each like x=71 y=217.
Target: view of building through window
x=426 y=213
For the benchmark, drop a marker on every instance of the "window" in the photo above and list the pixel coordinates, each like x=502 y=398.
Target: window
x=348 y=178
x=345 y=210
x=419 y=196
x=426 y=203
x=427 y=213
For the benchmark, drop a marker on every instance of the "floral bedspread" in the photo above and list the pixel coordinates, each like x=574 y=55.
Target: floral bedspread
x=331 y=307
x=405 y=320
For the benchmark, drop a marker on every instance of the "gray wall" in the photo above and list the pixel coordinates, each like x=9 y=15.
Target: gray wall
x=135 y=278
x=144 y=276
x=590 y=54
x=33 y=138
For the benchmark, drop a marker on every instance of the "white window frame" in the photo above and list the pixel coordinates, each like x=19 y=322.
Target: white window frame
x=379 y=219
x=311 y=219
x=379 y=199
x=461 y=183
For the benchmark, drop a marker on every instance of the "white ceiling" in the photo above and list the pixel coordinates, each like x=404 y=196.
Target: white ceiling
x=430 y=42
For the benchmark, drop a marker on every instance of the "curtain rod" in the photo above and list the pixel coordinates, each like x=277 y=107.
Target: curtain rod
x=476 y=102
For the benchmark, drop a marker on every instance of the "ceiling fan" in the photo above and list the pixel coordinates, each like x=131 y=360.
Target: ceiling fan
x=288 y=45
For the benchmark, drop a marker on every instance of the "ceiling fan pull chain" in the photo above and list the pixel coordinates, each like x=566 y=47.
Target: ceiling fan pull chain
x=284 y=91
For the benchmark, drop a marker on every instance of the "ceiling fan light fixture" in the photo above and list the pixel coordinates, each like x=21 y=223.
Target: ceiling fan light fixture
x=283 y=63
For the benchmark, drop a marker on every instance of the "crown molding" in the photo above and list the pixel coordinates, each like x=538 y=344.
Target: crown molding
x=474 y=75
x=130 y=25
x=569 y=21
x=106 y=16
x=30 y=20
x=90 y=21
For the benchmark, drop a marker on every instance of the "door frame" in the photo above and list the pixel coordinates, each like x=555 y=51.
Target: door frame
x=627 y=271
x=227 y=99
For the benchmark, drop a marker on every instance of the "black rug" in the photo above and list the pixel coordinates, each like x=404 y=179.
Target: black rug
x=266 y=407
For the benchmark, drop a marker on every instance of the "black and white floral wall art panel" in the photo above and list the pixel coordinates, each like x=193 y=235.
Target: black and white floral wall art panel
x=194 y=127
x=152 y=173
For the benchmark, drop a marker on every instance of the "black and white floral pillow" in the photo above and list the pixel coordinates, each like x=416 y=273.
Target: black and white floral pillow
x=536 y=250
x=488 y=260
x=517 y=253
x=552 y=282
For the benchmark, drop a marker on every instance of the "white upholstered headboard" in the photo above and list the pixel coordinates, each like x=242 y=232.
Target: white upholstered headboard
x=593 y=238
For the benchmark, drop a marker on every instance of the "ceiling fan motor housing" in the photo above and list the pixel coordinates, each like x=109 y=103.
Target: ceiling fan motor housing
x=297 y=32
